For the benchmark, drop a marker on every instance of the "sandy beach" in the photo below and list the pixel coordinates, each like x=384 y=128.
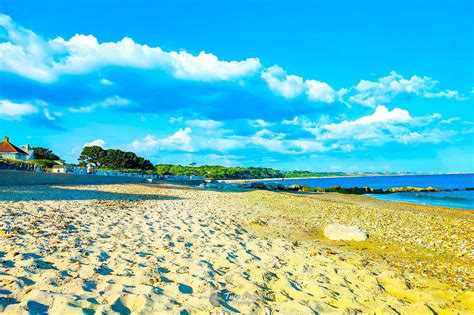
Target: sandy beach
x=153 y=249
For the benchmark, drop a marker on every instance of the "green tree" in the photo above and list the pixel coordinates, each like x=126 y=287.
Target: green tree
x=113 y=159
x=92 y=155
x=45 y=154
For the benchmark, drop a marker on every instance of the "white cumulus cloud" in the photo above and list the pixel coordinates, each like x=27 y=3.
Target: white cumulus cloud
x=14 y=111
x=27 y=54
x=446 y=94
x=97 y=142
x=51 y=115
x=291 y=86
x=179 y=141
x=115 y=100
x=288 y=86
x=366 y=127
x=295 y=121
x=204 y=123
x=380 y=127
x=106 y=82
x=112 y=101
x=82 y=109
x=320 y=91
x=382 y=91
x=259 y=123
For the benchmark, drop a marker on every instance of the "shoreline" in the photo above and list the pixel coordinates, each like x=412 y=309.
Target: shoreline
x=376 y=197
x=457 y=197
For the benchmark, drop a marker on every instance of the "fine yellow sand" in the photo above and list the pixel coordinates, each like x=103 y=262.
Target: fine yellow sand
x=153 y=249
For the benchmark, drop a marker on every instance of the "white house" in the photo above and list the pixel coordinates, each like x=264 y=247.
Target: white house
x=10 y=151
x=28 y=150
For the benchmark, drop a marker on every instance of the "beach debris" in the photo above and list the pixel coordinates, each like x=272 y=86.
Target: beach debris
x=339 y=232
x=259 y=221
x=270 y=277
x=215 y=299
x=265 y=294
x=182 y=270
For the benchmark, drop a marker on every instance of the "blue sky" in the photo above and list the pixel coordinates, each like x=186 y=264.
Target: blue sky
x=313 y=85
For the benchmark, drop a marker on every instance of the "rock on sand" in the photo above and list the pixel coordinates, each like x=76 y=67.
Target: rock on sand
x=339 y=232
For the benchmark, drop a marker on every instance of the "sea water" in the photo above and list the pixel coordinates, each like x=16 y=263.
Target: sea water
x=455 y=199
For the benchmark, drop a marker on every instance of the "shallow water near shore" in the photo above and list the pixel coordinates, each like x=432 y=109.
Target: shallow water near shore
x=453 y=199
x=456 y=199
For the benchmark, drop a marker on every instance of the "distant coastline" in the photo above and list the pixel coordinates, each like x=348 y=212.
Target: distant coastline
x=340 y=176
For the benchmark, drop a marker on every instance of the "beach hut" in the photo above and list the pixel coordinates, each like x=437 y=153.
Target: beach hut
x=58 y=169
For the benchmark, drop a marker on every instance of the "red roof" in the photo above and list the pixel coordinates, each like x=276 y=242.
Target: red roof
x=7 y=147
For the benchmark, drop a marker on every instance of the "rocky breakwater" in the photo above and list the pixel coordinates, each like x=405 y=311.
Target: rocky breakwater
x=220 y=185
x=412 y=189
x=213 y=184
